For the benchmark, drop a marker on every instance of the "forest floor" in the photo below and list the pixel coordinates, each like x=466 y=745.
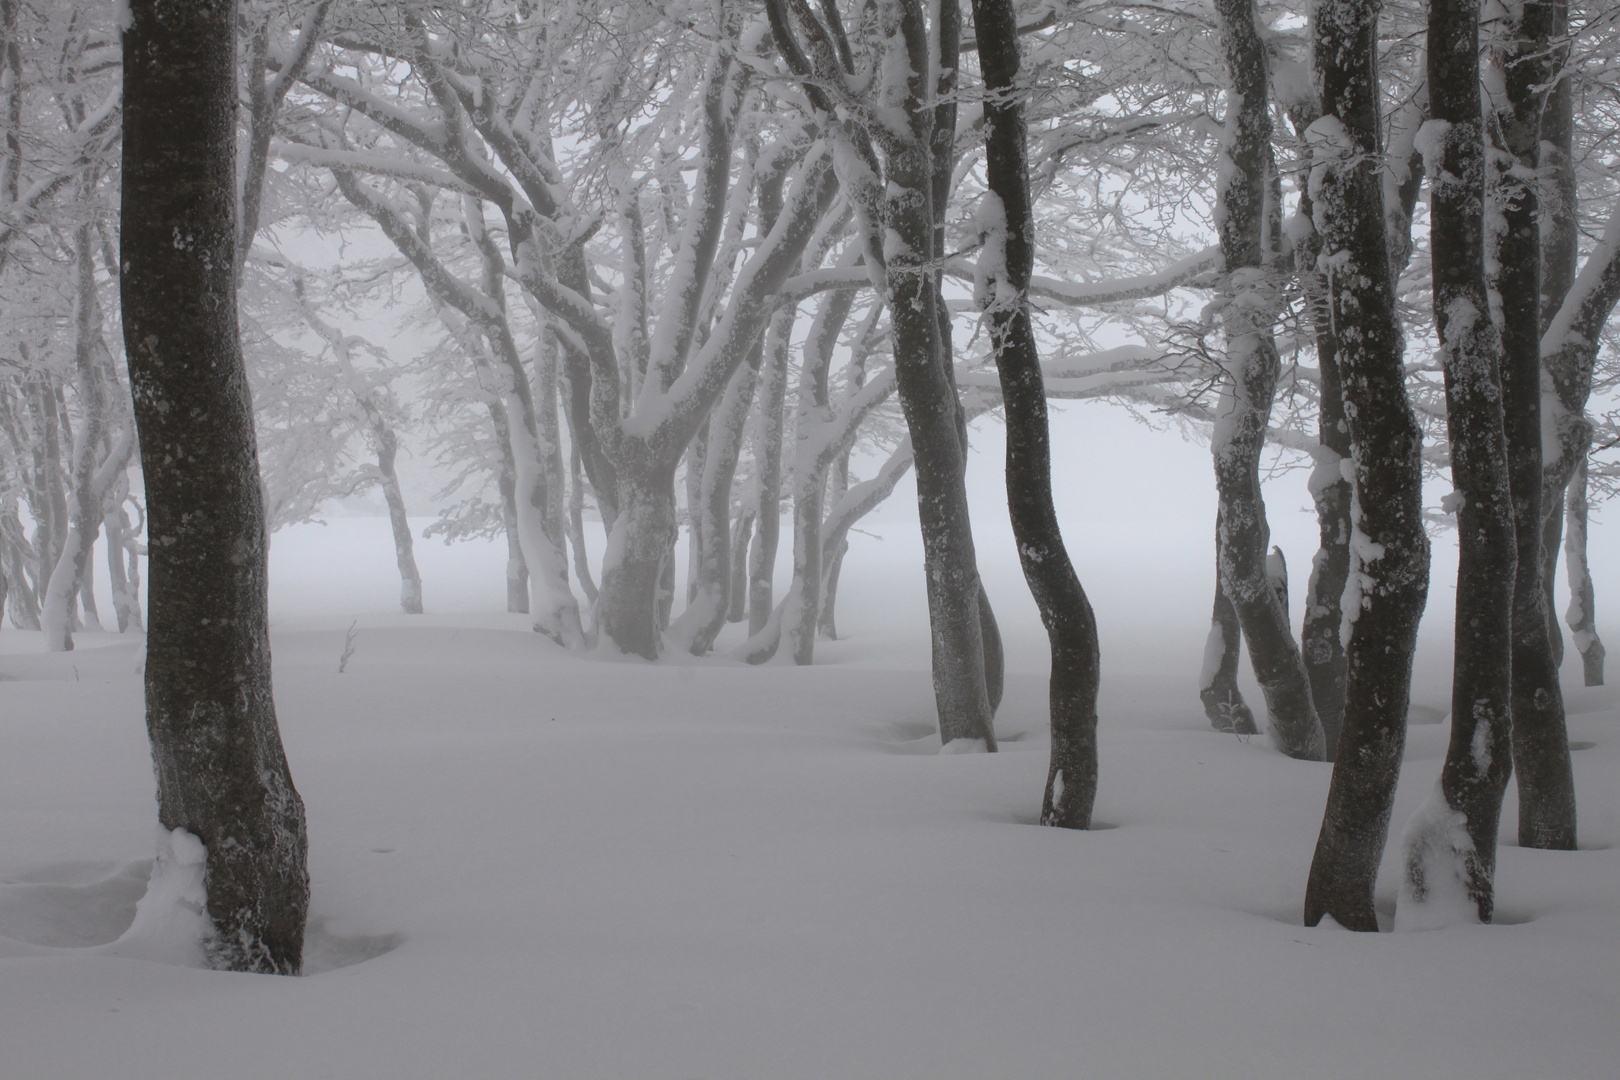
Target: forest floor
x=532 y=864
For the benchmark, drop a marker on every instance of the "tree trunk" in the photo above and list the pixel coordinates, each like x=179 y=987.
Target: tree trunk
x=517 y=571
x=741 y=531
x=827 y=624
x=410 y=579
x=576 y=524
x=1560 y=255
x=1553 y=509
x=84 y=518
x=696 y=456
x=638 y=553
x=1546 y=783
x=1451 y=841
x=1319 y=637
x=1007 y=220
x=1388 y=570
x=221 y=771
x=1217 y=683
x=768 y=470
x=120 y=541
x=710 y=600
x=1248 y=243
x=1581 y=613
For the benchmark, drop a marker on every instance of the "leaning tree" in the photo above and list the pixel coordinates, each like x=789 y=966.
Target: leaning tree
x=221 y=771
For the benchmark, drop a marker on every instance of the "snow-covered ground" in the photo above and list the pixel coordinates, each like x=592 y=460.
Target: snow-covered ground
x=532 y=864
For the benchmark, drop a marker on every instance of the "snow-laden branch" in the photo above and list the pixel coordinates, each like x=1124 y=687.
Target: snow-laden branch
x=1116 y=290
x=371 y=163
x=1568 y=352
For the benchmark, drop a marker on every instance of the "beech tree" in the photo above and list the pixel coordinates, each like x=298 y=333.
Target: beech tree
x=1388 y=548
x=1249 y=221
x=891 y=160
x=1523 y=61
x=1451 y=841
x=222 y=774
x=1005 y=264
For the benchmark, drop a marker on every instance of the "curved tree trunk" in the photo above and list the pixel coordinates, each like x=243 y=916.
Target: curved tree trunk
x=1451 y=841
x=222 y=775
x=1007 y=220
x=1248 y=242
x=1389 y=567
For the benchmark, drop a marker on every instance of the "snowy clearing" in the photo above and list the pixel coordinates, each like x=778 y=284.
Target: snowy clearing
x=528 y=863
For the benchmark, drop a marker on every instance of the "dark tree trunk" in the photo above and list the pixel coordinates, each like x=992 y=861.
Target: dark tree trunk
x=1440 y=860
x=928 y=400
x=1560 y=255
x=942 y=147
x=221 y=772
x=1552 y=541
x=1217 y=683
x=1071 y=628
x=1546 y=783
x=1582 y=615
x=1319 y=637
x=897 y=215
x=1248 y=243
x=1389 y=551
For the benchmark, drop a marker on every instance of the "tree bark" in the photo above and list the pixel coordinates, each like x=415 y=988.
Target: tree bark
x=1560 y=255
x=1008 y=222
x=1388 y=567
x=84 y=519
x=1581 y=614
x=222 y=774
x=741 y=531
x=1217 y=683
x=768 y=470
x=1248 y=242
x=576 y=524
x=710 y=600
x=1319 y=637
x=410 y=578
x=1546 y=783
x=1451 y=841
x=928 y=400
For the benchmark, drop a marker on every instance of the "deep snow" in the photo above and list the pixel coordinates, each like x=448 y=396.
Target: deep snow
x=533 y=864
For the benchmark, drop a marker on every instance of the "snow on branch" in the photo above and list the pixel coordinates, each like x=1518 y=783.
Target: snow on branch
x=374 y=164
